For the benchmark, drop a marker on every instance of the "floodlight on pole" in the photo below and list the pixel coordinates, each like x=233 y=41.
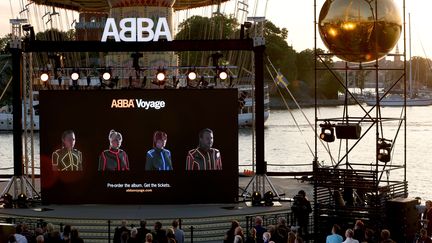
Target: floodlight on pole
x=75 y=75
x=44 y=76
x=223 y=74
x=160 y=75
x=106 y=75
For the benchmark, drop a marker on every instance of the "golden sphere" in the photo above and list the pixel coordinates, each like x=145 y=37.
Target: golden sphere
x=350 y=30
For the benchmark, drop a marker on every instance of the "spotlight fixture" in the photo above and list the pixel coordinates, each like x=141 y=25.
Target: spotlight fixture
x=21 y=201
x=6 y=200
x=74 y=75
x=384 y=150
x=268 y=198
x=327 y=132
x=44 y=76
x=256 y=199
x=106 y=75
x=160 y=75
x=192 y=75
x=223 y=74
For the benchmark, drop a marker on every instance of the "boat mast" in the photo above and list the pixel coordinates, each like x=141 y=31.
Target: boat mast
x=410 y=58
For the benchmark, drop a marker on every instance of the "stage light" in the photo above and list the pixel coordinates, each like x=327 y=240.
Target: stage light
x=44 y=76
x=268 y=198
x=21 y=201
x=192 y=75
x=223 y=74
x=6 y=200
x=327 y=132
x=256 y=199
x=160 y=75
x=74 y=75
x=384 y=150
x=106 y=75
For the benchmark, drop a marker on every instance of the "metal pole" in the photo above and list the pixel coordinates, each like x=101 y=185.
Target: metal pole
x=17 y=111
x=259 y=108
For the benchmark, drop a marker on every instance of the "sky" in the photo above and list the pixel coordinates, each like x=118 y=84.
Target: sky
x=298 y=17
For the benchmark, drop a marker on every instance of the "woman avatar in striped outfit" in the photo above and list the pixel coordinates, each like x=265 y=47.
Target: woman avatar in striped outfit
x=114 y=158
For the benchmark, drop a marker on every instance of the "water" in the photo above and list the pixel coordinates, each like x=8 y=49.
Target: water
x=286 y=148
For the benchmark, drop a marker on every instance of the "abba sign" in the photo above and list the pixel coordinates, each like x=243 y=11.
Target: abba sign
x=136 y=29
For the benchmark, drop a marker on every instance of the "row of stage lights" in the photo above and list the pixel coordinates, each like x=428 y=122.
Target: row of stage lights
x=222 y=74
x=352 y=131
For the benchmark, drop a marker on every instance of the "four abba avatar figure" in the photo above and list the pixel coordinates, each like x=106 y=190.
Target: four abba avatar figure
x=204 y=157
x=114 y=158
x=159 y=158
x=67 y=158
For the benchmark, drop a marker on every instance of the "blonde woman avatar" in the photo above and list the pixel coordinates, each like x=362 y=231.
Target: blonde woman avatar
x=67 y=158
x=114 y=158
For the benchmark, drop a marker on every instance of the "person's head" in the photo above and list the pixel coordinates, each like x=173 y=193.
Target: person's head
x=258 y=220
x=291 y=237
x=385 y=234
x=302 y=193
x=143 y=223
x=175 y=223
x=238 y=231
x=159 y=139
x=158 y=225
x=49 y=228
x=67 y=229
x=266 y=236
x=40 y=239
x=428 y=204
x=68 y=139
x=170 y=232
x=149 y=237
x=369 y=234
x=282 y=221
x=349 y=233
x=234 y=224
x=115 y=139
x=206 y=138
x=335 y=229
x=124 y=223
x=359 y=224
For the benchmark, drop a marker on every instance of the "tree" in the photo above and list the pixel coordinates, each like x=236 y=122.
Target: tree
x=279 y=52
x=204 y=28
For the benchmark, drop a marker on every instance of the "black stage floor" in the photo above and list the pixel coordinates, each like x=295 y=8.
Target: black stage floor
x=97 y=211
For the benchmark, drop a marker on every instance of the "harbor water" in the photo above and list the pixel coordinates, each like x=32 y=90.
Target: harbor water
x=289 y=144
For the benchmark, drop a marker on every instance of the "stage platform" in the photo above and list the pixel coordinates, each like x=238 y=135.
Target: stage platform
x=201 y=222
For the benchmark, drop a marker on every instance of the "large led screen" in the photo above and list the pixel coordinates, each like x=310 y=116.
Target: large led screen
x=139 y=146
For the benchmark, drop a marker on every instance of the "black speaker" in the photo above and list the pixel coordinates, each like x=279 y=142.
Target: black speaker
x=348 y=131
x=402 y=219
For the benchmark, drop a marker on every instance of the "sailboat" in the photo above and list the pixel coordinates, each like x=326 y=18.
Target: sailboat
x=393 y=99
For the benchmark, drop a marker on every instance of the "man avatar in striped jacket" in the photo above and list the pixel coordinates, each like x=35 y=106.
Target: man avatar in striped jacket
x=204 y=157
